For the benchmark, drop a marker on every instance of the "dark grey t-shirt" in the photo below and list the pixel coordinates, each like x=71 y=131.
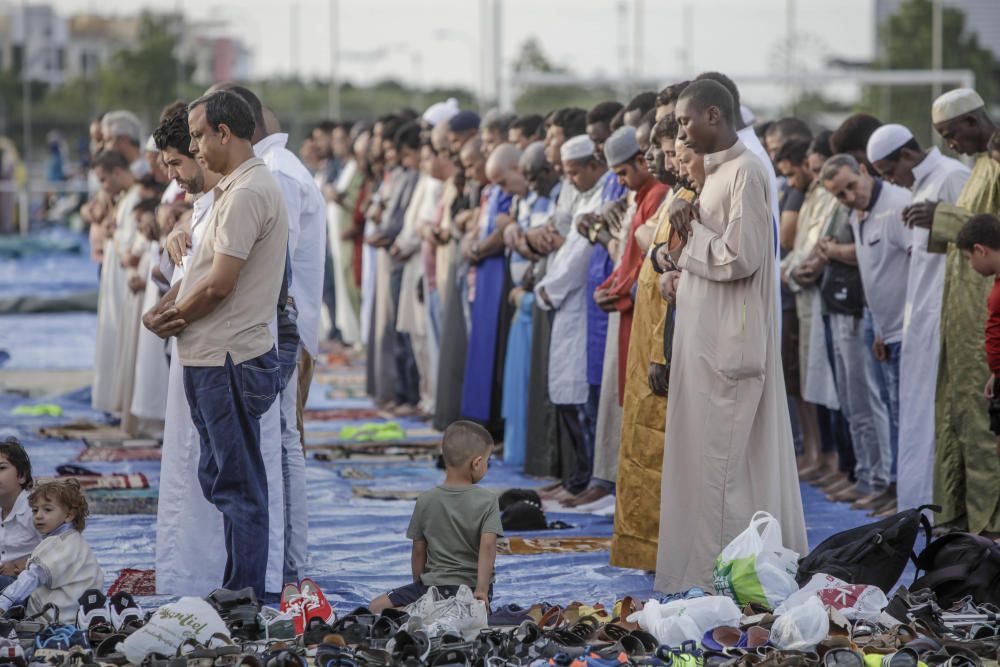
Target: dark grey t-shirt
x=452 y=519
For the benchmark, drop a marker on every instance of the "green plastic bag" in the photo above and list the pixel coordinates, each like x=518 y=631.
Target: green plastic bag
x=755 y=567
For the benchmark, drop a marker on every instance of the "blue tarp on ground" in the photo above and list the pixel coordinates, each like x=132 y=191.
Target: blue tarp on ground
x=358 y=547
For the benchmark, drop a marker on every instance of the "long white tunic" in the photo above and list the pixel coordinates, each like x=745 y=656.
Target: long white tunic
x=338 y=221
x=565 y=284
x=149 y=398
x=306 y=233
x=106 y=394
x=938 y=178
x=190 y=545
x=728 y=450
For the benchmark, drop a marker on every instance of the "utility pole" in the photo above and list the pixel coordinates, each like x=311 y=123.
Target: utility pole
x=333 y=94
x=937 y=53
x=637 y=41
x=790 y=88
x=498 y=54
x=25 y=85
x=623 y=64
x=293 y=60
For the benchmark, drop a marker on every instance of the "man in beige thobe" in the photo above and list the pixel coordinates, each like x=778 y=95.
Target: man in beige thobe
x=728 y=450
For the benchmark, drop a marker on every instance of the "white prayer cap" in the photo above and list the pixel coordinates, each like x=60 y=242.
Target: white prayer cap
x=747 y=115
x=579 y=147
x=441 y=112
x=886 y=140
x=955 y=103
x=151 y=145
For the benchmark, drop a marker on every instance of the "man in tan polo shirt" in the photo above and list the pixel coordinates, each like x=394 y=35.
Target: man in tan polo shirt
x=221 y=313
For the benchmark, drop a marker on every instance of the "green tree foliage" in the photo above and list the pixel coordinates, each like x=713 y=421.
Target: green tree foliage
x=145 y=78
x=906 y=44
x=543 y=99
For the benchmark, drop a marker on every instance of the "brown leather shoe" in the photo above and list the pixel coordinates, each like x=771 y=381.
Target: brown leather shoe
x=850 y=494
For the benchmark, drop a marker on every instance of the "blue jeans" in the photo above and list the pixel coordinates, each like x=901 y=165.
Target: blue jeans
x=882 y=373
x=226 y=404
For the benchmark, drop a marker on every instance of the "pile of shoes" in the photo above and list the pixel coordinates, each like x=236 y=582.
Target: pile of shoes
x=44 y=639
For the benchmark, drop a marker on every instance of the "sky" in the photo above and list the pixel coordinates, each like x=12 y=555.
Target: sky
x=438 y=41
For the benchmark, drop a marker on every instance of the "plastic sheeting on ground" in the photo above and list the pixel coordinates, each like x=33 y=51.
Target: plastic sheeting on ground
x=358 y=547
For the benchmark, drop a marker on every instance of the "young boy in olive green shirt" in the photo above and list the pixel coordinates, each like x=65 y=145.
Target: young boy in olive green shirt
x=454 y=526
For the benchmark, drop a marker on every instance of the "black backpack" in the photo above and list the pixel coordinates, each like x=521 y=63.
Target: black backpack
x=875 y=554
x=958 y=565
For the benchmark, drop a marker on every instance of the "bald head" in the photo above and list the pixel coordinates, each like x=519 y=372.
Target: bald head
x=502 y=159
x=271 y=123
x=471 y=150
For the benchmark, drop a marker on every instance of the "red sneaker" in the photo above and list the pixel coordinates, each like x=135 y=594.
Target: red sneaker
x=293 y=604
x=316 y=604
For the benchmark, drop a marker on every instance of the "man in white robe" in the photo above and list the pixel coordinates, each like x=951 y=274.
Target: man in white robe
x=190 y=547
x=117 y=181
x=898 y=157
x=563 y=290
x=728 y=450
x=307 y=254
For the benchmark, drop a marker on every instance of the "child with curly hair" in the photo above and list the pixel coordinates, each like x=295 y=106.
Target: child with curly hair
x=62 y=567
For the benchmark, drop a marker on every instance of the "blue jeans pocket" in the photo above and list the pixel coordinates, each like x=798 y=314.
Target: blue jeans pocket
x=261 y=383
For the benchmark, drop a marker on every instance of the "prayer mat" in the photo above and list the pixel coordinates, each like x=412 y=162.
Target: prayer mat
x=122 y=501
x=345 y=414
x=354 y=473
x=339 y=392
x=115 y=480
x=136 y=582
x=120 y=443
x=335 y=454
x=384 y=494
x=524 y=546
x=82 y=429
x=396 y=447
x=112 y=454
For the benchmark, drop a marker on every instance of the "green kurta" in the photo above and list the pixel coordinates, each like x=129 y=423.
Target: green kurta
x=966 y=466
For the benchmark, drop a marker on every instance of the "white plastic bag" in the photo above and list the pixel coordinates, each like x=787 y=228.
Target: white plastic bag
x=756 y=567
x=170 y=625
x=686 y=620
x=801 y=627
x=854 y=601
x=436 y=614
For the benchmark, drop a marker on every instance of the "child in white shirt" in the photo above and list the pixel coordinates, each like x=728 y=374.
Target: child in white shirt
x=17 y=529
x=62 y=567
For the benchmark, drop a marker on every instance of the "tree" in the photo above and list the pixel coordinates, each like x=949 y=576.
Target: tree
x=146 y=78
x=906 y=41
x=543 y=99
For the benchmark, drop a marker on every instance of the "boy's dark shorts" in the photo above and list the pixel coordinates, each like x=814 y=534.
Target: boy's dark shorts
x=406 y=595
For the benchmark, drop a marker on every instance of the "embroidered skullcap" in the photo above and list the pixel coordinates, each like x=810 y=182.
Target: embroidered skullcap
x=955 y=103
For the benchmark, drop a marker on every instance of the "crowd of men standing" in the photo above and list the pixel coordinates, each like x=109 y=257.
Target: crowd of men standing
x=657 y=301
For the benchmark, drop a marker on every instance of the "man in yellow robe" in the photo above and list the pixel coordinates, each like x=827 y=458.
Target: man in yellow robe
x=966 y=466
